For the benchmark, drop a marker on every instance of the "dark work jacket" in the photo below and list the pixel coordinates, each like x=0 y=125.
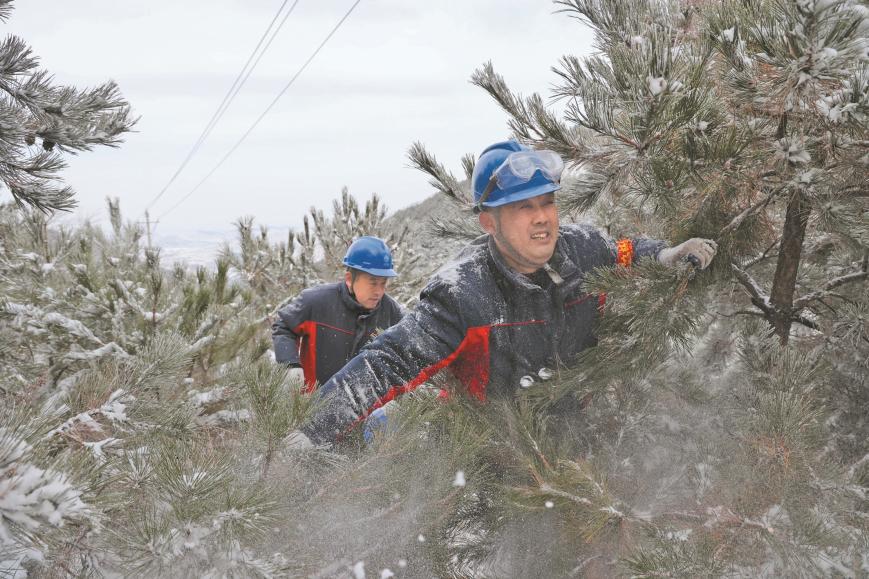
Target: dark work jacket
x=489 y=324
x=325 y=327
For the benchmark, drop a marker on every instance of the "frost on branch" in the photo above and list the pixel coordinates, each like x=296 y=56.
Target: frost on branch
x=31 y=498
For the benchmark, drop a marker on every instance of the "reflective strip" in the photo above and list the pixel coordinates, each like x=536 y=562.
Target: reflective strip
x=336 y=328
x=579 y=300
x=601 y=301
x=528 y=323
x=625 y=252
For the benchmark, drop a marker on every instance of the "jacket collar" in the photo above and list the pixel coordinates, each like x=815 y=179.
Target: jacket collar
x=559 y=262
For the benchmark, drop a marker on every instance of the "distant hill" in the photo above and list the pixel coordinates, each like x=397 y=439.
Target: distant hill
x=420 y=218
x=200 y=247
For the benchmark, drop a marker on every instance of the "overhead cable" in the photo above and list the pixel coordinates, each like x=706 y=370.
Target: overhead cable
x=264 y=113
x=237 y=85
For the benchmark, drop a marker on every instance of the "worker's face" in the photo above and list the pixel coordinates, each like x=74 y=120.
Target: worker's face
x=368 y=289
x=525 y=231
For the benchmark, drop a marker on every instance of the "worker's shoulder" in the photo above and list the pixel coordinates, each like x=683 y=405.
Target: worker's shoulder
x=392 y=306
x=581 y=232
x=468 y=269
x=582 y=237
x=320 y=293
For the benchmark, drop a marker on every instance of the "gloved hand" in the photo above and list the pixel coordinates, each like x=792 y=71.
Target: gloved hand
x=297 y=440
x=377 y=422
x=374 y=424
x=699 y=252
x=296 y=375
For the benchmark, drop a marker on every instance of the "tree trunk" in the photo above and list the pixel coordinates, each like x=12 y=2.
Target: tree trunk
x=784 y=283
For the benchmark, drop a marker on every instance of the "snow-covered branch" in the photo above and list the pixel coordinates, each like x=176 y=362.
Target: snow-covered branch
x=25 y=313
x=805 y=300
x=758 y=297
x=106 y=350
x=31 y=497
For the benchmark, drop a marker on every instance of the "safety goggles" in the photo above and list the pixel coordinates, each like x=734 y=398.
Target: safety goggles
x=519 y=168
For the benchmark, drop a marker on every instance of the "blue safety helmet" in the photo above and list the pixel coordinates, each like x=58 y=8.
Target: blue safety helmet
x=371 y=255
x=509 y=171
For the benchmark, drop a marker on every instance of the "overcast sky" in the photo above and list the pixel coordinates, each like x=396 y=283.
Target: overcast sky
x=397 y=71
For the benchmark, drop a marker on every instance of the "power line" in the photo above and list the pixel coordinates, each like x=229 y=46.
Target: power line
x=237 y=85
x=264 y=113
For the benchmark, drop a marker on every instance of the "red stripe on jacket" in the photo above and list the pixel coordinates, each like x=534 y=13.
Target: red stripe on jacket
x=308 y=352
x=308 y=349
x=470 y=364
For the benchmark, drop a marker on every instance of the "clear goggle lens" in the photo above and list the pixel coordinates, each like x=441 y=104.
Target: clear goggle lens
x=520 y=167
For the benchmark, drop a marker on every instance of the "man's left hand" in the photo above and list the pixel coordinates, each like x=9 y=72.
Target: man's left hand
x=701 y=250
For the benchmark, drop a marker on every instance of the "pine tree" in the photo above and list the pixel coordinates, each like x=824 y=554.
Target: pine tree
x=42 y=120
x=141 y=420
x=738 y=121
x=143 y=395
x=705 y=448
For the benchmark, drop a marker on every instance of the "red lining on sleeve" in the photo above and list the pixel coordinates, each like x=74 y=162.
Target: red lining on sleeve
x=308 y=352
x=308 y=349
x=470 y=365
x=471 y=362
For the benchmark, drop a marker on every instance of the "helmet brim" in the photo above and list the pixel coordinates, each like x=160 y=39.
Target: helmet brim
x=526 y=193
x=374 y=271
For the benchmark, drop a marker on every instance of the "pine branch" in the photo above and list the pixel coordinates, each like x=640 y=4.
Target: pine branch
x=805 y=300
x=758 y=297
x=804 y=321
x=755 y=260
x=749 y=211
x=5 y=9
x=16 y=59
x=463 y=229
x=64 y=118
x=787 y=265
x=530 y=120
x=441 y=178
x=468 y=164
x=762 y=302
x=493 y=83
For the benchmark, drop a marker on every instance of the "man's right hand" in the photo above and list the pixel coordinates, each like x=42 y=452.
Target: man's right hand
x=296 y=375
x=297 y=440
x=700 y=252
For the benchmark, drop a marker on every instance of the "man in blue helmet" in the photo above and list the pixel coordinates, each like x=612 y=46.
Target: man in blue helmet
x=506 y=312
x=325 y=326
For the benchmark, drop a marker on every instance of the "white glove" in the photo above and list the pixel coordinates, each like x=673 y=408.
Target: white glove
x=296 y=375
x=297 y=440
x=701 y=250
